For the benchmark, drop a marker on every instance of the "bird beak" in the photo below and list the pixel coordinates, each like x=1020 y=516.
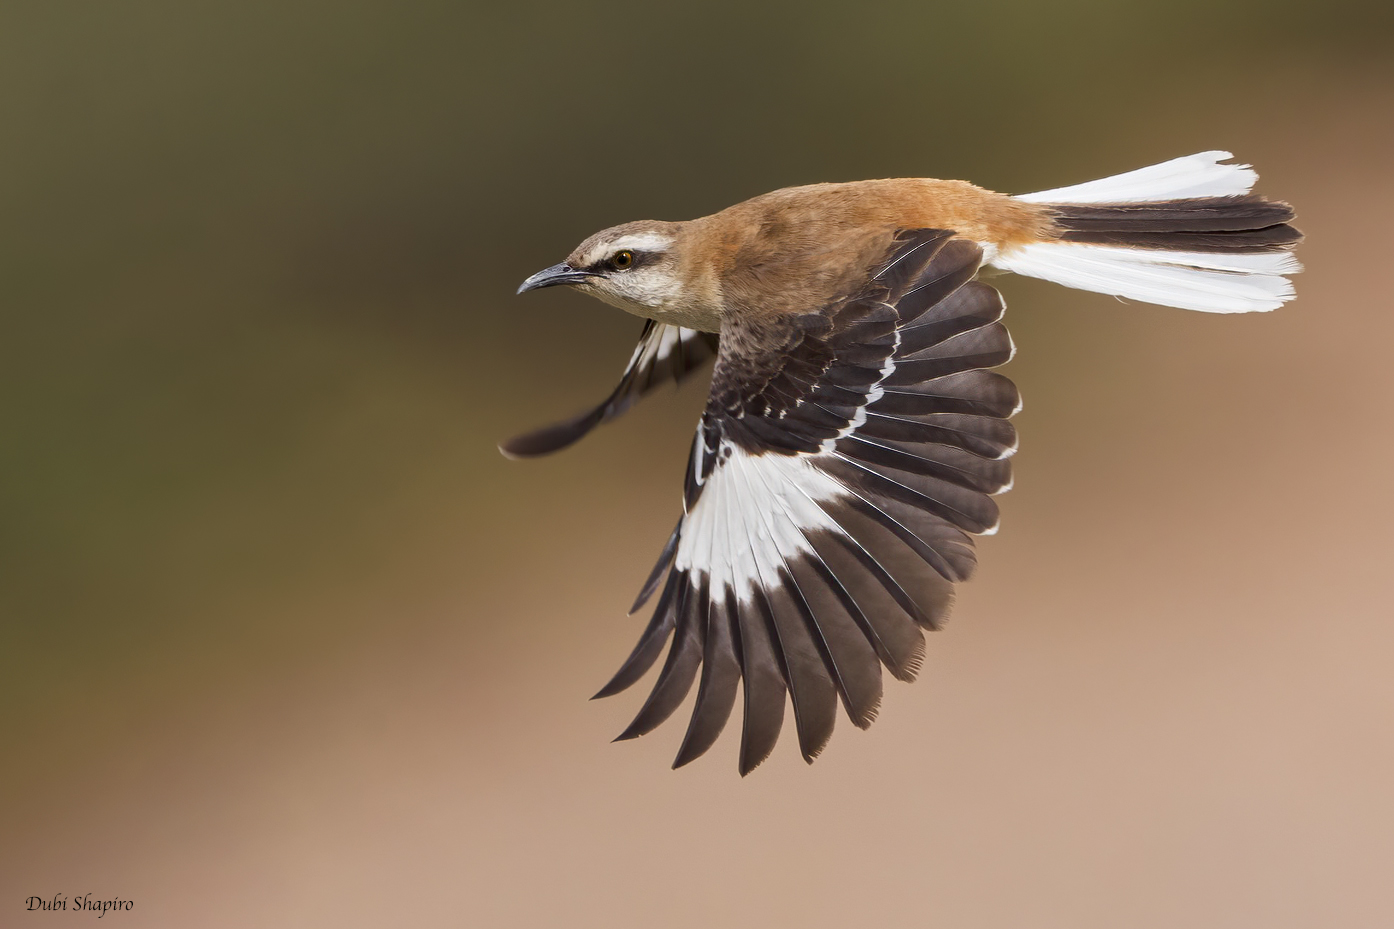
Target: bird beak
x=556 y=274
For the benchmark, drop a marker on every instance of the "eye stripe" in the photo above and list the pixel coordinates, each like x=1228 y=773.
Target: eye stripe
x=638 y=259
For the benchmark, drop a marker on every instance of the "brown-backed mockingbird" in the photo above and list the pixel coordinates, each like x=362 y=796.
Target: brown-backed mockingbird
x=854 y=434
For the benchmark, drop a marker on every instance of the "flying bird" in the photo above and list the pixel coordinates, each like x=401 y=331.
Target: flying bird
x=854 y=434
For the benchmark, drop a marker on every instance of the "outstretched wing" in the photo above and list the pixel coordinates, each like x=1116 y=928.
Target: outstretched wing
x=843 y=463
x=664 y=351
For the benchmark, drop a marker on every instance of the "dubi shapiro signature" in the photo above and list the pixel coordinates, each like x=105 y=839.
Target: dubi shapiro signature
x=85 y=903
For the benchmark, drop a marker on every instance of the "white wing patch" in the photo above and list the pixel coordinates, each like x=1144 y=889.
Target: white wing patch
x=668 y=340
x=658 y=347
x=752 y=518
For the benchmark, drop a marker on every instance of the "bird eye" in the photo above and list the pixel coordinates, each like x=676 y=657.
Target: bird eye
x=623 y=260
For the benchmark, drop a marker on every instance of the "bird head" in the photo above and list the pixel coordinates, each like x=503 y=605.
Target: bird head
x=634 y=267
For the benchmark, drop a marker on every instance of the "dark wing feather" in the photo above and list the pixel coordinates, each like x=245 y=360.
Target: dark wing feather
x=664 y=353
x=762 y=682
x=843 y=463
x=716 y=694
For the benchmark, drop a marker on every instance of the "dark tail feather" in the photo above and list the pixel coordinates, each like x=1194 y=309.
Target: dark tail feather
x=1236 y=224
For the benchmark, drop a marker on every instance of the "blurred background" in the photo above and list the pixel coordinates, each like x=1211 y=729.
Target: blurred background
x=285 y=642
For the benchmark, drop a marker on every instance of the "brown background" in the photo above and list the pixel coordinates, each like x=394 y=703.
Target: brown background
x=284 y=641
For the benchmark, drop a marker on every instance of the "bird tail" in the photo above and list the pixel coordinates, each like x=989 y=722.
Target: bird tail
x=1184 y=233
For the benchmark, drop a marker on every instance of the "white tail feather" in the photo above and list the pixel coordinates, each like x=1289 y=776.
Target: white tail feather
x=1243 y=283
x=1214 y=282
x=1199 y=175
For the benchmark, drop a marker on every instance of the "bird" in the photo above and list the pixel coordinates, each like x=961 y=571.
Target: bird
x=855 y=433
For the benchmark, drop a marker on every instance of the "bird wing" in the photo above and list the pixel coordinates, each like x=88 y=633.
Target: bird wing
x=843 y=463
x=664 y=351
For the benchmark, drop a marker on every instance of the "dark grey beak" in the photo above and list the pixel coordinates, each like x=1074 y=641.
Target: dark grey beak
x=556 y=274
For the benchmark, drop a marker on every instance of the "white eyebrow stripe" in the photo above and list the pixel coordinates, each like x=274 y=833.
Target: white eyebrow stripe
x=641 y=242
